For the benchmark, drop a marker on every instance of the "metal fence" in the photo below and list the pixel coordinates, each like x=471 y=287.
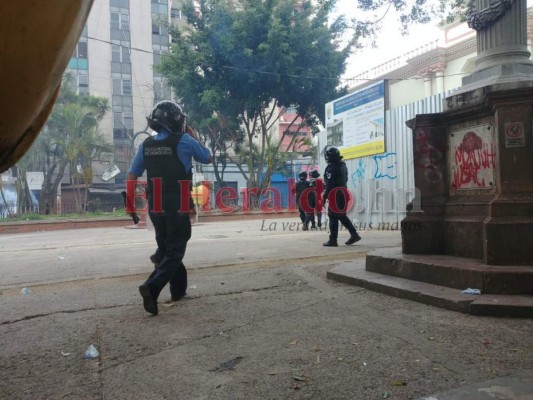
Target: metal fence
x=383 y=184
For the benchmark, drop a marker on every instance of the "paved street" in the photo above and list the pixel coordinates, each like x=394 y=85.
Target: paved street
x=260 y=321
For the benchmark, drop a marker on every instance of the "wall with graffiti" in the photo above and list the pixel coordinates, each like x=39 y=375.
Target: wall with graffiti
x=383 y=184
x=472 y=158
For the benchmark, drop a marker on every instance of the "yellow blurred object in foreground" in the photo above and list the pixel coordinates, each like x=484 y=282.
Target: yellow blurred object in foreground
x=37 y=38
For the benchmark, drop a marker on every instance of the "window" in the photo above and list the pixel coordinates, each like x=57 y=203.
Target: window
x=157 y=57
x=120 y=3
x=125 y=22
x=159 y=29
x=127 y=102
x=120 y=35
x=117 y=86
x=128 y=121
x=80 y=51
x=115 y=20
x=83 y=81
x=79 y=58
x=160 y=40
x=175 y=13
x=115 y=53
x=120 y=21
x=120 y=54
x=122 y=86
x=83 y=84
x=117 y=101
x=122 y=126
x=126 y=87
x=160 y=9
x=126 y=68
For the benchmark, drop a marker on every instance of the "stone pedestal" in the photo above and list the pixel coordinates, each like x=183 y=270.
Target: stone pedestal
x=474 y=172
x=471 y=225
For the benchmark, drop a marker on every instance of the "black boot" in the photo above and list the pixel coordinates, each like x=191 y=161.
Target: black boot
x=330 y=243
x=149 y=302
x=354 y=238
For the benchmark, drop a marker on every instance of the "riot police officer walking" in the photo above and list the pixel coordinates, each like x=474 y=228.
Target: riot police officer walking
x=337 y=195
x=167 y=159
x=298 y=189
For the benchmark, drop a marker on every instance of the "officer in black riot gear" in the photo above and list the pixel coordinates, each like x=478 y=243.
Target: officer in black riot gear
x=299 y=188
x=336 y=193
x=315 y=199
x=167 y=159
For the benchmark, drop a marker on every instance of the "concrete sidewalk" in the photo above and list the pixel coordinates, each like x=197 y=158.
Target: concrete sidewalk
x=261 y=321
x=513 y=387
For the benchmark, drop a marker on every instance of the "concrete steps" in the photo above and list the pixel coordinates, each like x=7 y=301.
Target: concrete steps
x=451 y=298
x=453 y=272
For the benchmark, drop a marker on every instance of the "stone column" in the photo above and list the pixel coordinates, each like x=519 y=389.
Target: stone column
x=439 y=69
x=427 y=86
x=427 y=76
x=501 y=39
x=506 y=40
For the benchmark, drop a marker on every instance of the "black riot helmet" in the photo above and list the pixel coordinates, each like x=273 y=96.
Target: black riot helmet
x=168 y=115
x=314 y=174
x=332 y=154
x=302 y=175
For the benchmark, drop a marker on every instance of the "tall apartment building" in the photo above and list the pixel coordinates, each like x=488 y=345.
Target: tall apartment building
x=115 y=57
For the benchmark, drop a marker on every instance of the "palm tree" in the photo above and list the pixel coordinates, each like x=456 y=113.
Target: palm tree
x=70 y=138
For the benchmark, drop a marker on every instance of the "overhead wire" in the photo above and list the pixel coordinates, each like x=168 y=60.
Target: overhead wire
x=292 y=75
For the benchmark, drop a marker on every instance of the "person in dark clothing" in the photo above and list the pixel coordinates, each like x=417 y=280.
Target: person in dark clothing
x=315 y=199
x=167 y=159
x=157 y=257
x=299 y=188
x=336 y=193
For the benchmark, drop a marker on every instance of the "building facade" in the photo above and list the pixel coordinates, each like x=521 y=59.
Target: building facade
x=434 y=68
x=116 y=58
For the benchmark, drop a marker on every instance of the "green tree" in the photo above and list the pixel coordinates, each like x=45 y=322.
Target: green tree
x=70 y=138
x=408 y=12
x=245 y=62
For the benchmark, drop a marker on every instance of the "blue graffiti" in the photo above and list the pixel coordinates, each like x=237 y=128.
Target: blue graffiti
x=359 y=173
x=360 y=170
x=388 y=168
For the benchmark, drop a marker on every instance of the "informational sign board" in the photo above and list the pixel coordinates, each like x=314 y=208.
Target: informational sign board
x=355 y=123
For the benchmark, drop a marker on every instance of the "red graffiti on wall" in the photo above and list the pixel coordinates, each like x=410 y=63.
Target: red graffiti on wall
x=473 y=160
x=428 y=158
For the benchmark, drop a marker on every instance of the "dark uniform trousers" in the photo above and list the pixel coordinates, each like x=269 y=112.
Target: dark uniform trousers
x=172 y=228
x=336 y=217
x=172 y=232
